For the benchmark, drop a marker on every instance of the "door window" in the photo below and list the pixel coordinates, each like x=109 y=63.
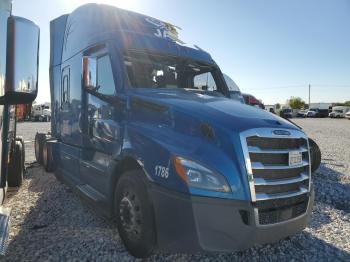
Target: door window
x=105 y=81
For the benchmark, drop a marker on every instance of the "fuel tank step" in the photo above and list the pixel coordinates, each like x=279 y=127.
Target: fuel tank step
x=4 y=228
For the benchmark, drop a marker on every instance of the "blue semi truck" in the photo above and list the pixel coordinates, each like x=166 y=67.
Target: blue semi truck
x=19 y=52
x=142 y=127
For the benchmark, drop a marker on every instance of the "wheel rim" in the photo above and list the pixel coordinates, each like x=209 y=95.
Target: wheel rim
x=130 y=215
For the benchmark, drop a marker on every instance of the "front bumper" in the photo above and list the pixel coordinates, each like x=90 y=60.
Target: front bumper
x=190 y=223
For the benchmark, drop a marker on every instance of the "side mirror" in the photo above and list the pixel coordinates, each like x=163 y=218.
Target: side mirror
x=22 y=61
x=89 y=73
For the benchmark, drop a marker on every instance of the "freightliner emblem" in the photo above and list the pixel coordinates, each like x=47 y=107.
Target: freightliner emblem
x=281 y=132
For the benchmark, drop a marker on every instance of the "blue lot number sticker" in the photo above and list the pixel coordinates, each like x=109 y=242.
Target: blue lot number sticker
x=162 y=171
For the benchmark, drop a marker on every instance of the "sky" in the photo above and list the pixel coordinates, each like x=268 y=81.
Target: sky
x=272 y=49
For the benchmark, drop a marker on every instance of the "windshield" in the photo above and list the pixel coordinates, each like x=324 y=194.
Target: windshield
x=155 y=71
x=287 y=110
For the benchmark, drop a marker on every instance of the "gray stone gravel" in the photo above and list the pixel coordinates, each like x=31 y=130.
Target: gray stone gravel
x=49 y=223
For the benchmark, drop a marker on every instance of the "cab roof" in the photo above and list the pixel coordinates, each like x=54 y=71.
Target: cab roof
x=93 y=23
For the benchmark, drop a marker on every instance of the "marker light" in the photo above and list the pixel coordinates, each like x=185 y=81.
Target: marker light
x=198 y=176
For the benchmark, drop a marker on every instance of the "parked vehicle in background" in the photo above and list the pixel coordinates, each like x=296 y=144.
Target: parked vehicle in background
x=144 y=129
x=252 y=101
x=41 y=112
x=347 y=115
x=315 y=112
x=19 y=58
x=286 y=113
x=318 y=110
x=301 y=113
x=339 y=111
x=311 y=112
x=235 y=92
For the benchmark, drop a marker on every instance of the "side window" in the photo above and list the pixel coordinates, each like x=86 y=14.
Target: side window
x=205 y=82
x=230 y=83
x=104 y=79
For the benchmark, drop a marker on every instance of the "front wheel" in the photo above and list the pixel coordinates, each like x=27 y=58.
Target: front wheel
x=315 y=155
x=134 y=214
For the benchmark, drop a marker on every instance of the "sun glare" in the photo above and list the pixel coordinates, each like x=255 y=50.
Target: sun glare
x=125 y=4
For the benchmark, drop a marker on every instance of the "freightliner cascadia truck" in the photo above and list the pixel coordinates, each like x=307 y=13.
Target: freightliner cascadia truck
x=143 y=128
x=19 y=50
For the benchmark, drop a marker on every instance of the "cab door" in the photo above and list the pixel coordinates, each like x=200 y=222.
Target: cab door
x=102 y=132
x=70 y=153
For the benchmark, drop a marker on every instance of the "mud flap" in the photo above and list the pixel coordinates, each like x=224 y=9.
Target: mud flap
x=4 y=229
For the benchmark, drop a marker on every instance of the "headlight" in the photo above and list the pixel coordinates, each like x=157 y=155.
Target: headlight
x=196 y=175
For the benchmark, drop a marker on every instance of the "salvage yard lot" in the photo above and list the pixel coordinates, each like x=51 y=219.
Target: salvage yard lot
x=50 y=223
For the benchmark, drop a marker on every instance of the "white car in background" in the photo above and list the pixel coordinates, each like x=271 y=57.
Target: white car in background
x=311 y=113
x=347 y=115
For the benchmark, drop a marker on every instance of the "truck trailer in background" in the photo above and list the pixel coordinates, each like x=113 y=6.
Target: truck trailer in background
x=143 y=128
x=19 y=46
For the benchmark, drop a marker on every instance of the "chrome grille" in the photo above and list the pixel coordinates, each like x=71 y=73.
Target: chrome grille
x=269 y=175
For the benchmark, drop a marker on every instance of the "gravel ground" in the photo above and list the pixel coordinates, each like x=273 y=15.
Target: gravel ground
x=50 y=223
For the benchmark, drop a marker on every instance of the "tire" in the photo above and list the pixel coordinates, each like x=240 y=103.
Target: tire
x=48 y=162
x=38 y=147
x=131 y=200
x=20 y=139
x=16 y=168
x=315 y=153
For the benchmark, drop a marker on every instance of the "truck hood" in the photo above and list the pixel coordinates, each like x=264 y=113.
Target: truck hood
x=219 y=111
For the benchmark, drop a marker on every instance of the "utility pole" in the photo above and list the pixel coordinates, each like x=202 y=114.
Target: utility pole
x=309 y=94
